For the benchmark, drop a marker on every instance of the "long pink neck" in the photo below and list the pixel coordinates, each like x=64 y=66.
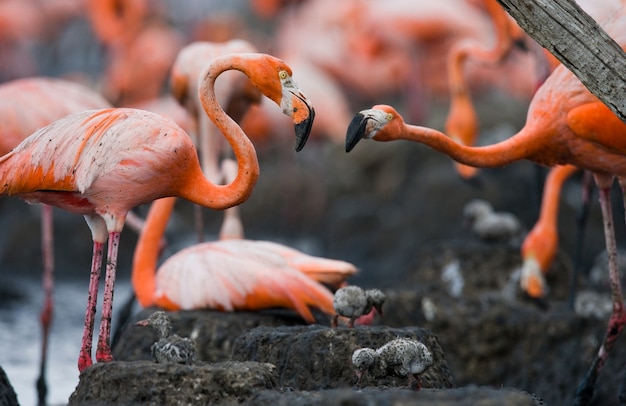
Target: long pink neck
x=552 y=192
x=518 y=147
x=147 y=250
x=239 y=189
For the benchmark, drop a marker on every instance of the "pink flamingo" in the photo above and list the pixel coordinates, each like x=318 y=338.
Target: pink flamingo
x=565 y=124
x=25 y=106
x=102 y=163
x=461 y=122
x=542 y=242
x=230 y=274
x=233 y=91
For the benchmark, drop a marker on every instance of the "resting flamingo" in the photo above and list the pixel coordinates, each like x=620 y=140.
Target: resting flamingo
x=542 y=242
x=230 y=274
x=461 y=123
x=102 y=163
x=565 y=124
x=25 y=106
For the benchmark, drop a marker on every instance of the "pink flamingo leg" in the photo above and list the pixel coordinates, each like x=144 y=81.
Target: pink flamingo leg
x=618 y=316
x=84 y=358
x=103 y=352
x=48 y=287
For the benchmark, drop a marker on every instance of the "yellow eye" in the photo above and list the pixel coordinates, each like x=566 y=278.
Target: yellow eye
x=283 y=74
x=389 y=116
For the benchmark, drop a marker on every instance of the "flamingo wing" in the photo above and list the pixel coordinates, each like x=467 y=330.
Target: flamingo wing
x=332 y=272
x=95 y=150
x=31 y=103
x=230 y=277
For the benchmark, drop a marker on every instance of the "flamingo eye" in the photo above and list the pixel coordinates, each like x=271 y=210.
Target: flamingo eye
x=283 y=74
x=389 y=116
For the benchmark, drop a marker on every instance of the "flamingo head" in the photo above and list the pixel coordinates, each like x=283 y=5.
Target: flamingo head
x=532 y=280
x=273 y=78
x=381 y=122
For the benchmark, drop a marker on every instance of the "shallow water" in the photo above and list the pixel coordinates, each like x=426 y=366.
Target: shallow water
x=20 y=335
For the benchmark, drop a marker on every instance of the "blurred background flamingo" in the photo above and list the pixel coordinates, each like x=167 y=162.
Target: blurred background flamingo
x=25 y=106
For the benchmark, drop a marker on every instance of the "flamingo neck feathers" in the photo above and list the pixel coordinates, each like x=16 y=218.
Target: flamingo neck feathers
x=241 y=187
x=147 y=251
x=501 y=154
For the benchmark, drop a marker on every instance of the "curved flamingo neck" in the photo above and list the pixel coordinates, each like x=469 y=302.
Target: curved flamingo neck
x=147 y=250
x=248 y=166
x=552 y=191
x=518 y=147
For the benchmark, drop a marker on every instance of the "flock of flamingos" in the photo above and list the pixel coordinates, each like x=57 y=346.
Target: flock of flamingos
x=102 y=150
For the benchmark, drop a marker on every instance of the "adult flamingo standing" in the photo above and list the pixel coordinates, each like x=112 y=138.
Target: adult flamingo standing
x=25 y=106
x=565 y=124
x=102 y=163
x=461 y=123
x=233 y=91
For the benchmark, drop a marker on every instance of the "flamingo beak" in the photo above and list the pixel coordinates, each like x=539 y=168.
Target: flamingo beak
x=303 y=116
x=356 y=130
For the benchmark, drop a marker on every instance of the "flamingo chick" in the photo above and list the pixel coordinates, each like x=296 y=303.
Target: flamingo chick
x=489 y=225
x=169 y=349
x=102 y=163
x=354 y=302
x=400 y=357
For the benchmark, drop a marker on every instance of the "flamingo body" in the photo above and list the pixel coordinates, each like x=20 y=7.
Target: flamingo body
x=101 y=163
x=233 y=274
x=83 y=166
x=237 y=275
x=566 y=124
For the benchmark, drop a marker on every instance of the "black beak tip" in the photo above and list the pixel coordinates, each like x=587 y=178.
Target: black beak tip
x=303 y=130
x=355 y=132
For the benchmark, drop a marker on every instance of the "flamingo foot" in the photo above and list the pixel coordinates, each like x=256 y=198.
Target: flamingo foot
x=415 y=382
x=103 y=353
x=84 y=360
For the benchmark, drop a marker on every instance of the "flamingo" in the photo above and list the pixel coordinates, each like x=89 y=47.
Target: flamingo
x=170 y=348
x=25 y=106
x=141 y=48
x=541 y=243
x=354 y=302
x=102 y=163
x=233 y=91
x=565 y=124
x=461 y=123
x=400 y=357
x=231 y=274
